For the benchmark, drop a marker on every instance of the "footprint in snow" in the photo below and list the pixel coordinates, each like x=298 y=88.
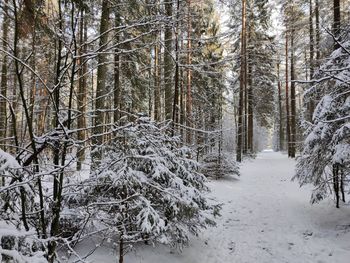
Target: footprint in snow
x=307 y=234
x=267 y=250
x=232 y=246
x=290 y=245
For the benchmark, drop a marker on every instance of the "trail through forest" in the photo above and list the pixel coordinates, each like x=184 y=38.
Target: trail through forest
x=265 y=218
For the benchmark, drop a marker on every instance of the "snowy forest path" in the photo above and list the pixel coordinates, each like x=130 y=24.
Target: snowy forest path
x=266 y=218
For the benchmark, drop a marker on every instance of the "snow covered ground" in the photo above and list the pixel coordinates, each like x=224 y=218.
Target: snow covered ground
x=265 y=218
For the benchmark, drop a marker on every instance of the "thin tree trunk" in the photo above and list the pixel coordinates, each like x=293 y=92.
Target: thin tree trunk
x=168 y=63
x=121 y=249
x=249 y=92
x=157 y=92
x=336 y=183
x=29 y=124
x=287 y=98
x=312 y=62
x=3 y=85
x=250 y=111
x=117 y=88
x=189 y=76
x=318 y=33
x=281 y=134
x=175 y=117
x=82 y=94
x=293 y=101
x=336 y=21
x=241 y=86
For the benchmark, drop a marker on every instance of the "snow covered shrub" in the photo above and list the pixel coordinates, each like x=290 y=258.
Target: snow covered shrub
x=217 y=165
x=18 y=238
x=19 y=245
x=325 y=159
x=147 y=189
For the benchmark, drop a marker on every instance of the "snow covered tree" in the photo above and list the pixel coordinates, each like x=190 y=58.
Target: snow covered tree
x=147 y=189
x=325 y=159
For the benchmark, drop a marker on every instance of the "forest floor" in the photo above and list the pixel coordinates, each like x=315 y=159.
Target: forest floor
x=265 y=218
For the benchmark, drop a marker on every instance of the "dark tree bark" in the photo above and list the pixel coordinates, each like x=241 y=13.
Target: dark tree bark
x=157 y=92
x=3 y=85
x=175 y=112
x=318 y=33
x=241 y=85
x=82 y=94
x=117 y=87
x=287 y=98
x=189 y=76
x=336 y=183
x=336 y=21
x=97 y=138
x=280 y=128
x=292 y=99
x=336 y=32
x=168 y=60
x=310 y=105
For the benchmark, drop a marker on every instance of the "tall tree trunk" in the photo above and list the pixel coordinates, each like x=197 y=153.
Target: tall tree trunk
x=292 y=99
x=82 y=94
x=182 y=96
x=336 y=32
x=19 y=77
x=249 y=90
x=189 y=75
x=281 y=134
x=310 y=105
x=97 y=138
x=157 y=92
x=117 y=88
x=311 y=39
x=250 y=110
x=168 y=61
x=57 y=206
x=287 y=98
x=318 y=33
x=3 y=85
x=241 y=85
x=175 y=117
x=336 y=21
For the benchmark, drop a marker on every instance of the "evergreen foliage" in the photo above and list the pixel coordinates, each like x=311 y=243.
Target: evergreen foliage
x=325 y=159
x=148 y=189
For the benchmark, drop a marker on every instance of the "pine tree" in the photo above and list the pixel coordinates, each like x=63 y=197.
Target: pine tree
x=325 y=157
x=147 y=188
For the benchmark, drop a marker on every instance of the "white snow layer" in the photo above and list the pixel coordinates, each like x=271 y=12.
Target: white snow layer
x=265 y=218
